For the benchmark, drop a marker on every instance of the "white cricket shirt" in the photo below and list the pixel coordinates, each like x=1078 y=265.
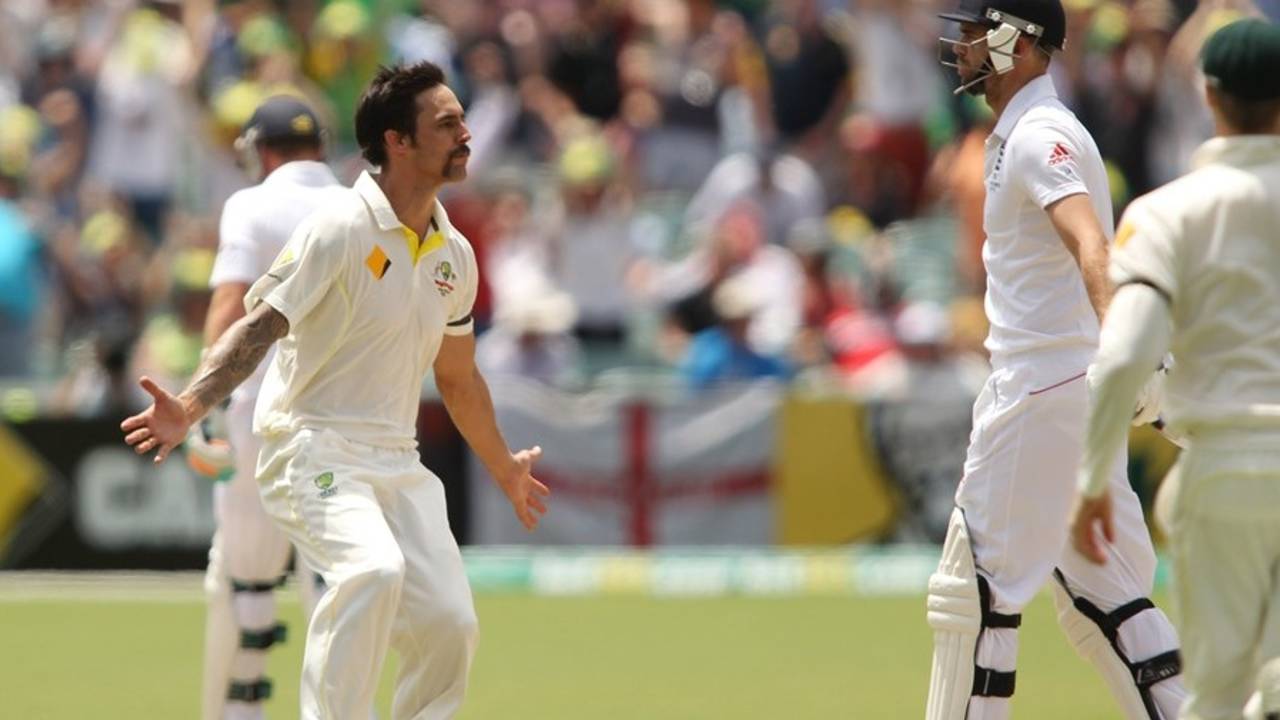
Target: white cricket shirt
x=256 y=223
x=1210 y=243
x=1036 y=302
x=368 y=305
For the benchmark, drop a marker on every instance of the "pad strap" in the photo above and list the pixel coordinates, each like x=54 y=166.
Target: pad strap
x=250 y=692
x=243 y=586
x=990 y=618
x=988 y=682
x=993 y=683
x=1161 y=667
x=263 y=639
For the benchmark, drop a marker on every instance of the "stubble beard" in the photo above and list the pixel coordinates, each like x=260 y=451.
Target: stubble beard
x=979 y=88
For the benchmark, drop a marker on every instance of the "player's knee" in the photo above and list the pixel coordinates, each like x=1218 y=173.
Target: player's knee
x=458 y=619
x=463 y=632
x=216 y=582
x=389 y=573
x=466 y=634
x=453 y=623
x=1081 y=632
x=385 y=576
x=217 y=586
x=466 y=624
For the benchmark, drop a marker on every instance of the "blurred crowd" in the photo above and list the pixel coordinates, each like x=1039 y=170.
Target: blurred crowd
x=703 y=189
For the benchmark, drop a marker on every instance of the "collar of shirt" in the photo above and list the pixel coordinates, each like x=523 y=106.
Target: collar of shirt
x=386 y=218
x=1237 y=150
x=1028 y=96
x=311 y=173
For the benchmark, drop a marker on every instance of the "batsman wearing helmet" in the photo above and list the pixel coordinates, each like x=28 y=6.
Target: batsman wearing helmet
x=1048 y=220
x=1196 y=263
x=283 y=144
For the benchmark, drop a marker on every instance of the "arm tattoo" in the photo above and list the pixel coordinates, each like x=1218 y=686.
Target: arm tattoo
x=236 y=355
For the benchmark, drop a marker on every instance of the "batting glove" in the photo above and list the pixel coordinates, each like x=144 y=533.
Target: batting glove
x=209 y=456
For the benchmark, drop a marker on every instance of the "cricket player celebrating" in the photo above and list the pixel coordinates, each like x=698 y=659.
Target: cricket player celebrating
x=1197 y=264
x=369 y=295
x=247 y=561
x=1047 y=219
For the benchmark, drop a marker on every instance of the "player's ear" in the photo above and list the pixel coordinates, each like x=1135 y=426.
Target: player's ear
x=1030 y=47
x=1212 y=98
x=396 y=141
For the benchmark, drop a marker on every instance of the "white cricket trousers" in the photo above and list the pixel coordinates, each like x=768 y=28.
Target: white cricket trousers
x=1018 y=486
x=1220 y=506
x=372 y=522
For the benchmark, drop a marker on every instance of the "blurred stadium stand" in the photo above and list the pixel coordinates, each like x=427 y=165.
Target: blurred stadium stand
x=666 y=196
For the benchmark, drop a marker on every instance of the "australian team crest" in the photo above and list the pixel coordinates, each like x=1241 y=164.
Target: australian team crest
x=444 y=277
x=324 y=481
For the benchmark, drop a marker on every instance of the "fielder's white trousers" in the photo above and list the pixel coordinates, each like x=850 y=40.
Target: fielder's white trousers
x=1018 y=486
x=372 y=522
x=1221 y=508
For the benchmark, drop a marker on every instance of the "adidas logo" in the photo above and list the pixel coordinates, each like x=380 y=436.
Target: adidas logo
x=1059 y=155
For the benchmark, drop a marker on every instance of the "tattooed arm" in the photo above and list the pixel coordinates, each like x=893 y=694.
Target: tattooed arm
x=231 y=360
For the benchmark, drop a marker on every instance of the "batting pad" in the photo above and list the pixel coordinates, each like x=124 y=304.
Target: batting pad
x=1095 y=639
x=955 y=614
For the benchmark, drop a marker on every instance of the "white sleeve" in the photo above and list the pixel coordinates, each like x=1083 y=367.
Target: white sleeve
x=1143 y=252
x=303 y=272
x=1047 y=163
x=237 y=259
x=1135 y=335
x=460 y=321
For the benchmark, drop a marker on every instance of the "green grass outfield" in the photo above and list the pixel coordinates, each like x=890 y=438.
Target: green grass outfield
x=136 y=656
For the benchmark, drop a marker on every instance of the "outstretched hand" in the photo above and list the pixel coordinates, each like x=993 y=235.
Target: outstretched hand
x=1088 y=517
x=161 y=427
x=524 y=490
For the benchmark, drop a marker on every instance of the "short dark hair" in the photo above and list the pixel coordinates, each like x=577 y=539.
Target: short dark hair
x=293 y=146
x=388 y=104
x=1249 y=117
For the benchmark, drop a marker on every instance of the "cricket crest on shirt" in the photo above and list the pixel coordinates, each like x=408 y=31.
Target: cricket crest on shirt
x=324 y=481
x=444 y=277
